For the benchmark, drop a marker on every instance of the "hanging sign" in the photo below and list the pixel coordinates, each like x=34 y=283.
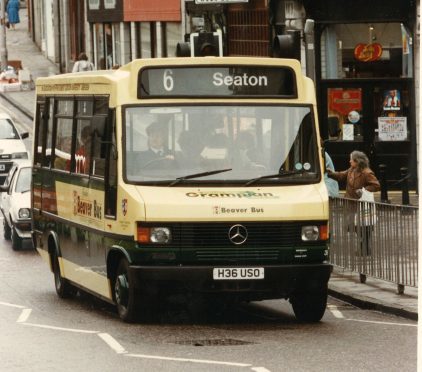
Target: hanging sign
x=368 y=52
x=343 y=101
x=392 y=128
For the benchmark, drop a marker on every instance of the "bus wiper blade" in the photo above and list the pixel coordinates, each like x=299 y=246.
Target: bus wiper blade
x=195 y=175
x=275 y=175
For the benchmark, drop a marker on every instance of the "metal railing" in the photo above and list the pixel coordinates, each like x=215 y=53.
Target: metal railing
x=375 y=239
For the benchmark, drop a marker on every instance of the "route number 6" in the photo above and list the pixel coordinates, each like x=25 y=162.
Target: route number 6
x=168 y=81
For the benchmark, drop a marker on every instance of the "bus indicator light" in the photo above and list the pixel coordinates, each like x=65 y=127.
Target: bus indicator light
x=323 y=232
x=143 y=234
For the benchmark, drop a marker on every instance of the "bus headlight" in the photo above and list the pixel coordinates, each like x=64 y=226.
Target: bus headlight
x=160 y=235
x=155 y=235
x=24 y=213
x=310 y=233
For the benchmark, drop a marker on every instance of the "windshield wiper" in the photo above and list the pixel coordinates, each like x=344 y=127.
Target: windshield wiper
x=195 y=175
x=275 y=175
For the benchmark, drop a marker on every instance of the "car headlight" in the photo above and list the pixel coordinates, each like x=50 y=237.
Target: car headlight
x=20 y=155
x=24 y=213
x=155 y=235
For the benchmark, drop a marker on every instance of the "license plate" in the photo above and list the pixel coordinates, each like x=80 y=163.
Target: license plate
x=238 y=273
x=2 y=167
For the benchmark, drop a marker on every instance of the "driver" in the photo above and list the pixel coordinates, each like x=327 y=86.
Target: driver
x=157 y=144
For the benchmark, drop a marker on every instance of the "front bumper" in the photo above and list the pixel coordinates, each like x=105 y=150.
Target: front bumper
x=280 y=281
x=23 y=229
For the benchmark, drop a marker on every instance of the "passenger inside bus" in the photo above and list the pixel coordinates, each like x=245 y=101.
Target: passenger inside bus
x=246 y=155
x=191 y=145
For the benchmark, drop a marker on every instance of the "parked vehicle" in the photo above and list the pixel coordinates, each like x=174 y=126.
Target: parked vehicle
x=16 y=204
x=12 y=147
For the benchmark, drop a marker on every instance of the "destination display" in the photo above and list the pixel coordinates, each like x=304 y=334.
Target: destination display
x=217 y=81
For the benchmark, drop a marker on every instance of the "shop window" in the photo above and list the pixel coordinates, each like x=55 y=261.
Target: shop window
x=366 y=51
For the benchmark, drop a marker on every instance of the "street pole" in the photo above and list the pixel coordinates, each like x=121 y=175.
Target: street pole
x=3 y=46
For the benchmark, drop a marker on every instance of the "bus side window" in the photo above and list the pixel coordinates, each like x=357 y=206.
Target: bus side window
x=111 y=170
x=49 y=133
x=39 y=130
x=99 y=154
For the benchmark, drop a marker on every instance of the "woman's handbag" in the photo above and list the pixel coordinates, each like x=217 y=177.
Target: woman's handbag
x=366 y=214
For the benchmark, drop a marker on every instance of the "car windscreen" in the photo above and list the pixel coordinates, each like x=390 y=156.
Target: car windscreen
x=227 y=143
x=23 y=182
x=7 y=130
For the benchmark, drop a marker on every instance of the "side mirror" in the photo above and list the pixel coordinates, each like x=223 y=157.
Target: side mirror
x=24 y=135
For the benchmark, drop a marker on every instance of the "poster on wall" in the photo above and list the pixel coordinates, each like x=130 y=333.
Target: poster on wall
x=343 y=101
x=392 y=128
x=348 y=132
x=391 y=101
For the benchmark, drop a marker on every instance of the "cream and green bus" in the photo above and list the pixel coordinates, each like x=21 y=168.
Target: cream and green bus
x=199 y=176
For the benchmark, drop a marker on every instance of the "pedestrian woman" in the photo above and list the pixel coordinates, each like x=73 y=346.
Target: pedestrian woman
x=83 y=64
x=12 y=9
x=357 y=177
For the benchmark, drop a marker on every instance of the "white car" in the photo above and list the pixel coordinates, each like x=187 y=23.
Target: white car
x=15 y=204
x=12 y=147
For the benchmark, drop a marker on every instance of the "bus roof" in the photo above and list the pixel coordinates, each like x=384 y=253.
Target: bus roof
x=116 y=82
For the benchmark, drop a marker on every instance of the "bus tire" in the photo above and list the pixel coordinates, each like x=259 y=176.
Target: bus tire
x=63 y=288
x=309 y=306
x=124 y=293
x=7 y=232
x=16 y=240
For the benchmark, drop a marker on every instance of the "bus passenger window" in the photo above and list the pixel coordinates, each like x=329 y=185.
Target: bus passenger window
x=49 y=134
x=63 y=144
x=99 y=145
x=83 y=147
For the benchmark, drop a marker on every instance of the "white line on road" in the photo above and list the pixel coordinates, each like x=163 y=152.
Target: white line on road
x=110 y=341
x=12 y=305
x=188 y=360
x=59 y=328
x=260 y=369
x=24 y=315
x=337 y=313
x=386 y=323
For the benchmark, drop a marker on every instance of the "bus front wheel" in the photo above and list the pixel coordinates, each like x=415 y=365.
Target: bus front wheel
x=309 y=306
x=124 y=293
x=63 y=288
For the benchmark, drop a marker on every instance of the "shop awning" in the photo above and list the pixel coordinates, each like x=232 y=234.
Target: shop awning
x=152 y=10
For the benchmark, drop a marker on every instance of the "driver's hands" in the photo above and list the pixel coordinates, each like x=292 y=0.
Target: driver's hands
x=169 y=157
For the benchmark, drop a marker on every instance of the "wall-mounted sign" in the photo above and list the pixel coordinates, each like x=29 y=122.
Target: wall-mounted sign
x=392 y=129
x=343 y=101
x=348 y=132
x=368 y=52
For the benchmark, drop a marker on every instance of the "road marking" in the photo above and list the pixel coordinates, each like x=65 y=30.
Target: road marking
x=337 y=313
x=260 y=369
x=12 y=305
x=205 y=361
x=386 y=323
x=59 y=328
x=110 y=341
x=24 y=315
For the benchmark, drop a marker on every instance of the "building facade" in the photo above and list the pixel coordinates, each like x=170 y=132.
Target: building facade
x=363 y=56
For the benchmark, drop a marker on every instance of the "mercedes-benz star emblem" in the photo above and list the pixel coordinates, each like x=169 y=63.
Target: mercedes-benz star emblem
x=238 y=234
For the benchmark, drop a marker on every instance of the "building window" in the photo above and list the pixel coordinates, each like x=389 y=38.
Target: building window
x=366 y=50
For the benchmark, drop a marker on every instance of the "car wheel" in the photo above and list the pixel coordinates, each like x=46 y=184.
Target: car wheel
x=16 y=240
x=309 y=306
x=63 y=288
x=124 y=293
x=7 y=232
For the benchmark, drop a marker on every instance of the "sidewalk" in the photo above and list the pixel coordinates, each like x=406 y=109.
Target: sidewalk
x=375 y=294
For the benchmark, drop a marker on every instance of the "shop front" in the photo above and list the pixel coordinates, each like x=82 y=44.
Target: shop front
x=365 y=83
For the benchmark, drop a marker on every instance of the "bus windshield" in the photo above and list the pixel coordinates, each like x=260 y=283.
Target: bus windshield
x=220 y=143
